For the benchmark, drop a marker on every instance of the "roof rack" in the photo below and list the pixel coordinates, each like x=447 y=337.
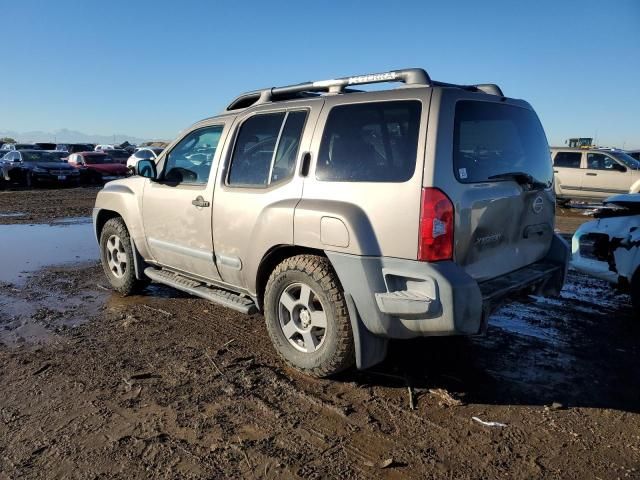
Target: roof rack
x=408 y=76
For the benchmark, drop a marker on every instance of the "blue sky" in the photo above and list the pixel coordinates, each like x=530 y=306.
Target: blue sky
x=151 y=68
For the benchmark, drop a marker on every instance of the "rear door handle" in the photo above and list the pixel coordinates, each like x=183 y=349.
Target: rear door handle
x=200 y=202
x=592 y=174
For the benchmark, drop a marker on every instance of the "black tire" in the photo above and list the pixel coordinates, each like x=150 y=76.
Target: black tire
x=635 y=294
x=336 y=350
x=124 y=280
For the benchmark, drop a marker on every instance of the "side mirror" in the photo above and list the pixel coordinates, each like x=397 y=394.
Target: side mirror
x=147 y=169
x=620 y=168
x=16 y=160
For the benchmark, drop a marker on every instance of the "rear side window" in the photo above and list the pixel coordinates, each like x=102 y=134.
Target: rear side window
x=567 y=159
x=370 y=142
x=492 y=139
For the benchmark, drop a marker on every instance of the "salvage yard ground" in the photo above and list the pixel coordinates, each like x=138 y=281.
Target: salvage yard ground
x=163 y=385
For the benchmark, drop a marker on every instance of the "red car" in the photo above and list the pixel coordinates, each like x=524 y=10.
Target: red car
x=97 y=167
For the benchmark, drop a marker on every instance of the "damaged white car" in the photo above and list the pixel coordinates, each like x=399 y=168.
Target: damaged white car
x=609 y=247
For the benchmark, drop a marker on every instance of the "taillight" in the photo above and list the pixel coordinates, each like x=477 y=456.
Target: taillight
x=436 y=226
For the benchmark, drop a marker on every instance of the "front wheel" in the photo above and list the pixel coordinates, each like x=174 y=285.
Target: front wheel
x=306 y=316
x=116 y=256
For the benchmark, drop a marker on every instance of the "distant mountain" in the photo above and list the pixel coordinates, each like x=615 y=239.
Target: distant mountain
x=70 y=136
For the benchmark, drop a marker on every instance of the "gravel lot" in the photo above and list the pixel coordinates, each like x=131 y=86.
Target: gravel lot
x=163 y=385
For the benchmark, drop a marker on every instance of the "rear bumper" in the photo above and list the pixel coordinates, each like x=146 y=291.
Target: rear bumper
x=401 y=299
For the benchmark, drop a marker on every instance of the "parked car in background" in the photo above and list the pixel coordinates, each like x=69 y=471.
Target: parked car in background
x=97 y=167
x=118 y=155
x=45 y=146
x=20 y=146
x=30 y=167
x=74 y=147
x=146 y=153
x=634 y=153
x=100 y=148
x=609 y=247
x=593 y=173
x=468 y=168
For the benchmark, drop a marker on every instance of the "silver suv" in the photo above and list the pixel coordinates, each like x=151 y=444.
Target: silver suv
x=347 y=218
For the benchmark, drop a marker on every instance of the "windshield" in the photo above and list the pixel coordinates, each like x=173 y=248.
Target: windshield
x=97 y=159
x=42 y=156
x=628 y=160
x=492 y=139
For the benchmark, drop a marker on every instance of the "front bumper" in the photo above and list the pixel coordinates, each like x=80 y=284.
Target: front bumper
x=399 y=298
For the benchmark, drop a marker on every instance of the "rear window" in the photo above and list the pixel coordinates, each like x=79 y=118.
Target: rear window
x=492 y=139
x=567 y=159
x=370 y=142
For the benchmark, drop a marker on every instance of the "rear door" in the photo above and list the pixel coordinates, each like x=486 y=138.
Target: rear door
x=487 y=145
x=259 y=187
x=604 y=176
x=568 y=173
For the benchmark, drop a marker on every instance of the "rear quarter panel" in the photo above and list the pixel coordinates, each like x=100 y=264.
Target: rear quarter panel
x=375 y=218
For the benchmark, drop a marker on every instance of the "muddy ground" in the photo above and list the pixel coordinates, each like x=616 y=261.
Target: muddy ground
x=163 y=385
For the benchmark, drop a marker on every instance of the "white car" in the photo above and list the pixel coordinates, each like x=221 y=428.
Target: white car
x=145 y=153
x=609 y=247
x=100 y=148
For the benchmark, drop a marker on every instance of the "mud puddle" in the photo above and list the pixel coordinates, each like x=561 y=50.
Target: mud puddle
x=29 y=248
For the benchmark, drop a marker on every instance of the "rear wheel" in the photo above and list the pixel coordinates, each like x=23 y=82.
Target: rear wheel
x=116 y=255
x=307 y=318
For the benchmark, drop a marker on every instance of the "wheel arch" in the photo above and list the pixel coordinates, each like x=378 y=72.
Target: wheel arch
x=271 y=259
x=102 y=217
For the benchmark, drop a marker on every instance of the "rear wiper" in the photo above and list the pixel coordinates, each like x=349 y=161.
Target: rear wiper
x=522 y=178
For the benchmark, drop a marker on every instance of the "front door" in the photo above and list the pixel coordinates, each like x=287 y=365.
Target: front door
x=604 y=176
x=177 y=206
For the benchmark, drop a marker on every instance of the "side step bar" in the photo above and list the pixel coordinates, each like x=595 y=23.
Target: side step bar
x=199 y=289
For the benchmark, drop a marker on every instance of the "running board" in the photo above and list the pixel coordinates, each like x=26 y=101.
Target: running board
x=200 y=289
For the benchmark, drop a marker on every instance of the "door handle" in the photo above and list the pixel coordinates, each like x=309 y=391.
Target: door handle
x=200 y=202
x=304 y=166
x=592 y=174
x=555 y=171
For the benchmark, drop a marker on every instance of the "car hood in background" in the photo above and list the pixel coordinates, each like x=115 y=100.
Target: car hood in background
x=624 y=200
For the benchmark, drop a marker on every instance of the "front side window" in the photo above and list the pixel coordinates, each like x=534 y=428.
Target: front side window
x=567 y=159
x=599 y=161
x=370 y=142
x=266 y=149
x=191 y=159
x=493 y=139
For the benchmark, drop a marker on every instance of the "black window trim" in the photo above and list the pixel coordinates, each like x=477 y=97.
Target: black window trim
x=236 y=134
x=168 y=152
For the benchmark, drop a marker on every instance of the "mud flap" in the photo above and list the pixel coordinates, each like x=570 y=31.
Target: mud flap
x=138 y=262
x=370 y=349
x=559 y=253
